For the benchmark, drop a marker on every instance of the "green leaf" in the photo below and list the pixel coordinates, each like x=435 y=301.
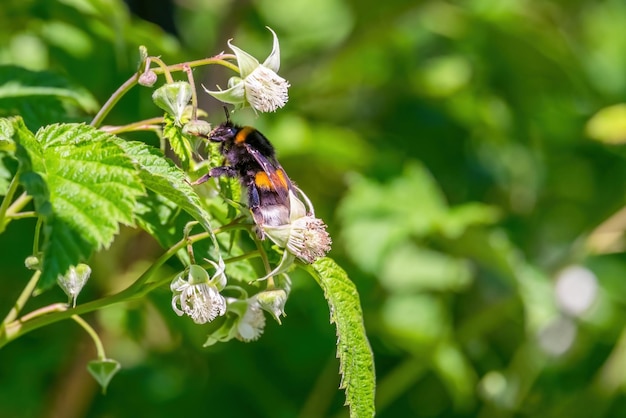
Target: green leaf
x=84 y=185
x=41 y=97
x=103 y=371
x=356 y=360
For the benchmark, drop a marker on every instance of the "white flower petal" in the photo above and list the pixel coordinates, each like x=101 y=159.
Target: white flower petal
x=273 y=60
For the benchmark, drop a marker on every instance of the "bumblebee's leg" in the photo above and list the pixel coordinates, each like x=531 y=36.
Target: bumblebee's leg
x=254 y=203
x=226 y=170
x=216 y=172
x=201 y=179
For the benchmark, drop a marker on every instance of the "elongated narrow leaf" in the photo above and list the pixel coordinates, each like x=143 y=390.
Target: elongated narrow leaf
x=356 y=361
x=161 y=176
x=90 y=185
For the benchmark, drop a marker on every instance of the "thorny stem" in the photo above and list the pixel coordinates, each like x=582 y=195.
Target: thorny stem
x=128 y=84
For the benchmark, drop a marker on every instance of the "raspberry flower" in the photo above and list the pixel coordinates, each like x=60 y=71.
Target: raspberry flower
x=258 y=85
x=304 y=237
x=245 y=321
x=197 y=295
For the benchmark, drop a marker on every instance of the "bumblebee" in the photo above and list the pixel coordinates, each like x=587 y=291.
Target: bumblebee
x=251 y=158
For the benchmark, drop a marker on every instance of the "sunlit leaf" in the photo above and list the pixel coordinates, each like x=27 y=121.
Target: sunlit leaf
x=84 y=185
x=608 y=125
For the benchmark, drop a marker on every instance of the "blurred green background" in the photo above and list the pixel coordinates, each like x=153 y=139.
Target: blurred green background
x=471 y=187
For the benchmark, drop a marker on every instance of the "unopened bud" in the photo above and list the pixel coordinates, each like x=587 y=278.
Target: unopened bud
x=74 y=280
x=173 y=98
x=273 y=301
x=32 y=263
x=197 y=128
x=147 y=78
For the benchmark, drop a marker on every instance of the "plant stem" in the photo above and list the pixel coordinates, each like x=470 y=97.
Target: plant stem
x=36 y=238
x=119 y=93
x=7 y=201
x=93 y=334
x=22 y=215
x=194 y=95
x=164 y=69
x=128 y=84
x=142 y=125
x=23 y=298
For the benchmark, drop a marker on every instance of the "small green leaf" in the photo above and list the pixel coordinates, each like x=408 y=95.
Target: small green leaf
x=179 y=142
x=103 y=371
x=356 y=360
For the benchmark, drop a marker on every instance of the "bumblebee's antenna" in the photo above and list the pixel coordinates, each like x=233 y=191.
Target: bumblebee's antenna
x=227 y=114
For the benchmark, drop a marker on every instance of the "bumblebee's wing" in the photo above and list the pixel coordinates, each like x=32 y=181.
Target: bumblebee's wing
x=276 y=175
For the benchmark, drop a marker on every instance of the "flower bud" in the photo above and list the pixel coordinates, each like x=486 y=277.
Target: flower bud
x=32 y=262
x=196 y=295
x=173 y=98
x=273 y=301
x=74 y=280
x=197 y=128
x=147 y=78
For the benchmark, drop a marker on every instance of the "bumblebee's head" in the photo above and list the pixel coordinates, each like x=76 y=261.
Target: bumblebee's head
x=224 y=132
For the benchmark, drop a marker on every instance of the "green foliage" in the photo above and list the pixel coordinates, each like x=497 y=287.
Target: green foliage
x=41 y=97
x=84 y=186
x=467 y=156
